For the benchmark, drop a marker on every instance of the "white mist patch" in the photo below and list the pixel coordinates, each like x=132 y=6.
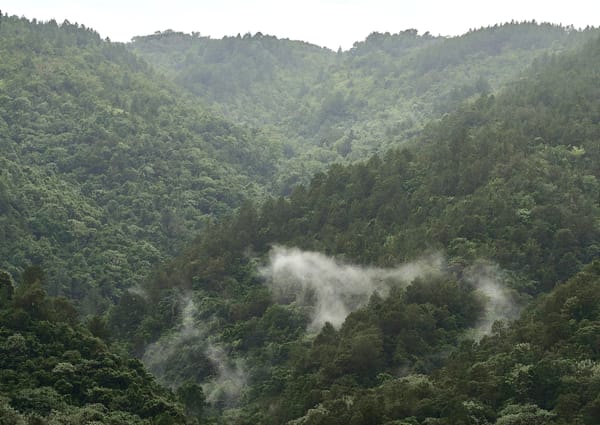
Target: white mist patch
x=332 y=289
x=156 y=356
x=500 y=302
x=230 y=379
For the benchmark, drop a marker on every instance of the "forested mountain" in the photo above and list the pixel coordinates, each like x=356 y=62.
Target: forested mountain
x=342 y=106
x=367 y=296
x=506 y=187
x=106 y=168
x=542 y=369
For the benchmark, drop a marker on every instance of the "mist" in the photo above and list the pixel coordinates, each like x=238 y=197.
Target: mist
x=500 y=302
x=230 y=381
x=226 y=383
x=331 y=289
x=157 y=355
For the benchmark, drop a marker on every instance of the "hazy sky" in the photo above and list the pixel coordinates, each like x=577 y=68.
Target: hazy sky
x=331 y=23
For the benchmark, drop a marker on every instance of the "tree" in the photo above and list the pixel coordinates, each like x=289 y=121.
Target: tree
x=192 y=397
x=525 y=414
x=6 y=288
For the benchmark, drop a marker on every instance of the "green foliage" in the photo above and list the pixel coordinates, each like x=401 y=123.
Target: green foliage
x=7 y=288
x=533 y=367
x=107 y=169
x=53 y=371
x=497 y=178
x=510 y=177
x=193 y=399
x=525 y=373
x=339 y=107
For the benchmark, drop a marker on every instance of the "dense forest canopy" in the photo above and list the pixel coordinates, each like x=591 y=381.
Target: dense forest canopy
x=54 y=370
x=510 y=178
x=261 y=231
x=107 y=168
x=342 y=106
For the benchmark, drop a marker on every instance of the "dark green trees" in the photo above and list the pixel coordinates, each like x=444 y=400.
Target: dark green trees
x=107 y=168
x=53 y=370
x=6 y=288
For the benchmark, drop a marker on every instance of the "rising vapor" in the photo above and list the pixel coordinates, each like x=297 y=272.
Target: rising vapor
x=158 y=354
x=331 y=289
x=229 y=379
x=500 y=302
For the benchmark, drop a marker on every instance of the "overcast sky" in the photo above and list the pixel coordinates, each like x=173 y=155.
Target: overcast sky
x=330 y=23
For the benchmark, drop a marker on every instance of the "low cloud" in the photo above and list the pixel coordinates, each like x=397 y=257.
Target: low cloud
x=500 y=302
x=226 y=389
x=225 y=385
x=158 y=355
x=330 y=288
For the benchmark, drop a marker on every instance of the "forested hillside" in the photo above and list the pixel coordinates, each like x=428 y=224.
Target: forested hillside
x=106 y=168
x=451 y=278
x=506 y=187
x=342 y=106
x=55 y=371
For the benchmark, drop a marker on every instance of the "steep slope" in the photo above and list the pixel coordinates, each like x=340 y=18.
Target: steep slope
x=289 y=335
x=541 y=369
x=511 y=179
x=54 y=371
x=106 y=168
x=334 y=107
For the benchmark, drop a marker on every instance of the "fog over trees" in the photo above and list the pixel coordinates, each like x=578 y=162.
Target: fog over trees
x=253 y=230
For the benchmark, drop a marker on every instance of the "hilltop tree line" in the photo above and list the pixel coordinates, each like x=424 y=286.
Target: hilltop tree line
x=344 y=106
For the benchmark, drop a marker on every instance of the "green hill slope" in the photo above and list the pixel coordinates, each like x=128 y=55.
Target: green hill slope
x=541 y=369
x=106 y=168
x=334 y=107
x=511 y=179
x=54 y=371
x=357 y=298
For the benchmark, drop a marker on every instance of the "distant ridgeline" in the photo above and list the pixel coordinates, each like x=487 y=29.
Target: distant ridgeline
x=511 y=177
x=109 y=168
x=330 y=106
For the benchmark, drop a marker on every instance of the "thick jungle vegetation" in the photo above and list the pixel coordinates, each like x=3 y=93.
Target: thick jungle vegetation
x=106 y=168
x=510 y=178
x=342 y=106
x=261 y=231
